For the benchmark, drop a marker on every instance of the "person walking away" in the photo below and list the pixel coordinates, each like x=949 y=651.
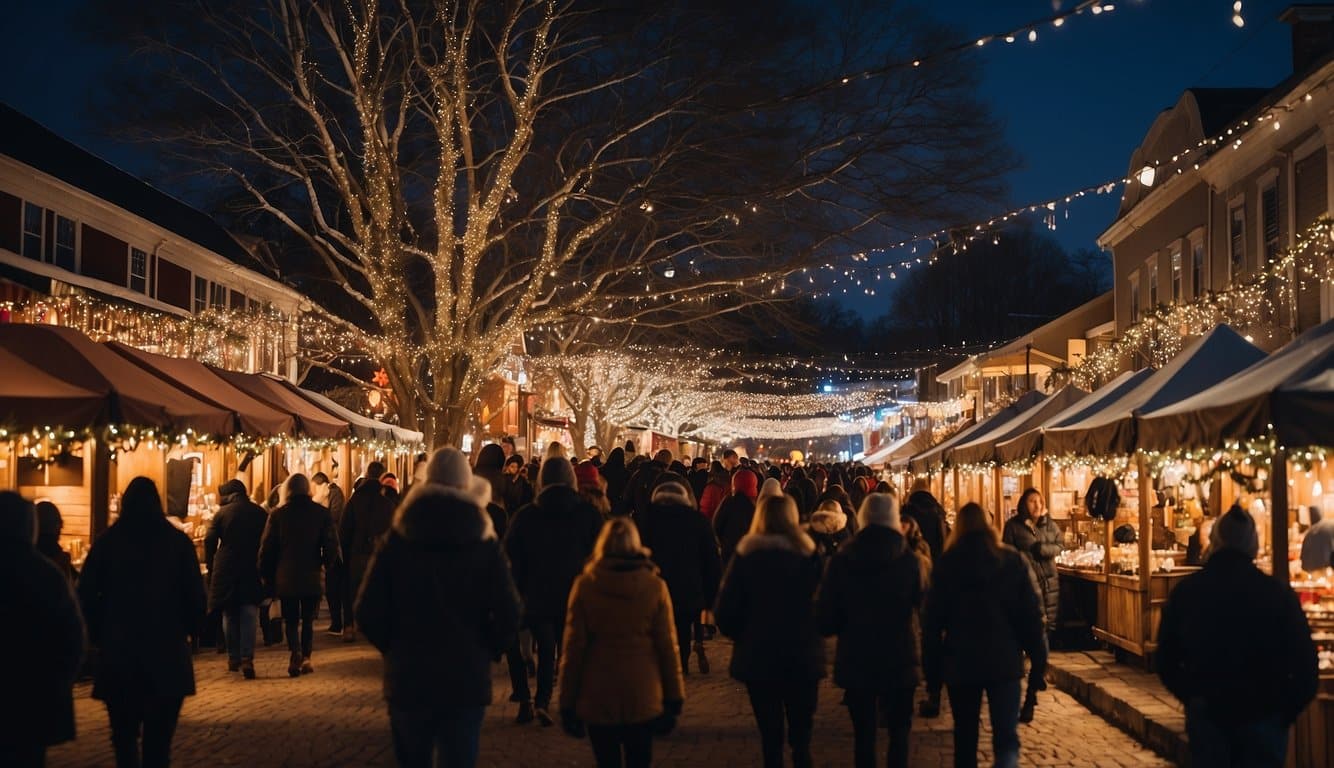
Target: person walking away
x=620 y=675
x=802 y=490
x=871 y=595
x=929 y=516
x=49 y=525
x=231 y=549
x=143 y=599
x=439 y=604
x=592 y=488
x=336 y=591
x=49 y=646
x=717 y=488
x=765 y=606
x=732 y=522
x=1235 y=648
x=983 y=614
x=1038 y=539
x=686 y=551
x=617 y=476
x=298 y=540
x=547 y=544
x=367 y=517
x=490 y=466
x=829 y=528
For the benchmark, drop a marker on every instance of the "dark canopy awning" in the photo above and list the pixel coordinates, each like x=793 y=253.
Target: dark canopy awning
x=31 y=398
x=982 y=448
x=311 y=421
x=1027 y=444
x=935 y=458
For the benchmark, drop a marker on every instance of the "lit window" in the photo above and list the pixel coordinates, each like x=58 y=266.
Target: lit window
x=1237 y=237
x=1176 y=273
x=64 y=250
x=1134 y=297
x=218 y=297
x=138 y=270
x=1269 y=223
x=201 y=295
x=1151 y=268
x=32 y=231
x=1198 y=279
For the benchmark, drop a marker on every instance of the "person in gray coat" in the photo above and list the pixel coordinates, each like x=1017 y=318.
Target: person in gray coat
x=231 y=549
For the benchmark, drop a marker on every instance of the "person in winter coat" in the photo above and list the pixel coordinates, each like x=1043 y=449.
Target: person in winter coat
x=870 y=598
x=336 y=590
x=48 y=647
x=765 y=606
x=1235 y=648
x=620 y=675
x=143 y=598
x=1038 y=539
x=614 y=472
x=834 y=492
x=439 y=603
x=734 y=516
x=715 y=491
x=916 y=543
x=639 y=489
x=231 y=549
x=298 y=541
x=365 y=520
x=1318 y=544
x=490 y=466
x=802 y=490
x=49 y=525
x=829 y=528
x=983 y=614
x=547 y=544
x=685 y=550
x=929 y=516
x=699 y=475
x=518 y=491
x=592 y=488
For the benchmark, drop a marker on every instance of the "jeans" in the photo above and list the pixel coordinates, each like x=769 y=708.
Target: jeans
x=1260 y=743
x=863 y=705
x=1003 y=703
x=238 y=624
x=23 y=755
x=687 y=628
x=451 y=734
x=771 y=700
x=157 y=720
x=336 y=592
x=634 y=739
x=546 y=643
x=300 y=612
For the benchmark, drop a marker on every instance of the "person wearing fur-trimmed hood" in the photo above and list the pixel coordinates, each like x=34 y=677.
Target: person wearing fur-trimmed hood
x=440 y=605
x=765 y=606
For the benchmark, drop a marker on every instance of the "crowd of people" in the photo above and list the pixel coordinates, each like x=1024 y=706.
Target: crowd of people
x=603 y=580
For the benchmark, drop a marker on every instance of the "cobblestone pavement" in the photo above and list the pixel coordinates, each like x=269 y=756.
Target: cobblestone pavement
x=336 y=717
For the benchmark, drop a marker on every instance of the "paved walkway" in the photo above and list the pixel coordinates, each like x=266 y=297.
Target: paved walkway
x=1135 y=700
x=336 y=717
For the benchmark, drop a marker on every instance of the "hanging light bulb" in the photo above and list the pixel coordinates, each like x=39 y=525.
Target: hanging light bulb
x=1146 y=175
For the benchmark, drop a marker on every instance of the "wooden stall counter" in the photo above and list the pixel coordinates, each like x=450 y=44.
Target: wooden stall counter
x=1132 y=615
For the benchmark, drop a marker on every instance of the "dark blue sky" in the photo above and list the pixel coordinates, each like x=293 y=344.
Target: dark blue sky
x=1075 y=103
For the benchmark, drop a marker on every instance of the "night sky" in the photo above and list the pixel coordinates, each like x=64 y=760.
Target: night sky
x=1075 y=103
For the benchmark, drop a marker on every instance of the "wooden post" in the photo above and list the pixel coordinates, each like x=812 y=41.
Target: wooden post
x=1278 y=517
x=99 y=489
x=998 y=496
x=957 y=500
x=345 y=478
x=1145 y=541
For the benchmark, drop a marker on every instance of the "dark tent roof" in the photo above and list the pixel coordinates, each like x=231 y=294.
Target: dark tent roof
x=256 y=419
x=311 y=421
x=1111 y=431
x=31 y=398
x=363 y=427
x=1026 y=444
x=1292 y=390
x=136 y=398
x=905 y=446
x=31 y=143
x=935 y=458
x=982 y=448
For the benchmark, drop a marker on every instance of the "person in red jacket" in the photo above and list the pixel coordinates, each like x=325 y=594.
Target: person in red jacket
x=718 y=487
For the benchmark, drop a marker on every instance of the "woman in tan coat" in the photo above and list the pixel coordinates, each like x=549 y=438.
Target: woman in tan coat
x=620 y=674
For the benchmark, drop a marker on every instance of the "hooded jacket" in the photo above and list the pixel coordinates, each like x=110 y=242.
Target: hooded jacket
x=438 y=601
x=231 y=549
x=1039 y=547
x=734 y=517
x=930 y=517
x=298 y=541
x=616 y=475
x=830 y=530
x=620 y=661
x=871 y=595
x=366 y=517
x=547 y=544
x=684 y=548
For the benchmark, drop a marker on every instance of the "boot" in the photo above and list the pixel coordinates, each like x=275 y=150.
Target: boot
x=233 y=666
x=931 y=706
x=525 y=713
x=349 y=634
x=306 y=667
x=703 y=660
x=1030 y=703
x=248 y=668
x=294 y=664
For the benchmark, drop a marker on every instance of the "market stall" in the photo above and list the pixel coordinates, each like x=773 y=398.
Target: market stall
x=371 y=441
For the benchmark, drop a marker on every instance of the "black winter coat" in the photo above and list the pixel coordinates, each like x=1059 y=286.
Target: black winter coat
x=143 y=599
x=685 y=552
x=547 y=544
x=982 y=615
x=365 y=521
x=732 y=522
x=1239 y=640
x=870 y=598
x=297 y=542
x=439 y=603
x=930 y=517
x=231 y=548
x=45 y=643
x=766 y=605
x=1039 y=546
x=639 y=489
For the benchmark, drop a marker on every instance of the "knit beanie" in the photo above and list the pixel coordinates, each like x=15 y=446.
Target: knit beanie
x=1236 y=530
x=448 y=466
x=672 y=492
x=745 y=481
x=556 y=470
x=771 y=487
x=586 y=473
x=231 y=487
x=880 y=509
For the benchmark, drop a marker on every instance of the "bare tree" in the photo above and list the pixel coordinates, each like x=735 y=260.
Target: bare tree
x=467 y=171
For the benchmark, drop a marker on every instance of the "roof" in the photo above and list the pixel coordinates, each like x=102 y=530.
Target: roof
x=33 y=144
x=906 y=446
x=982 y=448
x=312 y=422
x=1027 y=443
x=1220 y=108
x=933 y=459
x=1048 y=340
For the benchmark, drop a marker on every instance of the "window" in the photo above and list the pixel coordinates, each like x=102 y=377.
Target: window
x=1269 y=221
x=32 y=231
x=1151 y=269
x=1237 y=244
x=1198 y=279
x=201 y=295
x=64 y=251
x=138 y=270
x=1175 y=259
x=1134 y=297
x=217 y=298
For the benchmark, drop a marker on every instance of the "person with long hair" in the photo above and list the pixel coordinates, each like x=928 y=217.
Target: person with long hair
x=983 y=614
x=765 y=606
x=143 y=599
x=1038 y=539
x=620 y=674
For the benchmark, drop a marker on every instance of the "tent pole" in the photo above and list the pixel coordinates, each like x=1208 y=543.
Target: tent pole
x=1278 y=517
x=1145 y=544
x=998 y=497
x=99 y=489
